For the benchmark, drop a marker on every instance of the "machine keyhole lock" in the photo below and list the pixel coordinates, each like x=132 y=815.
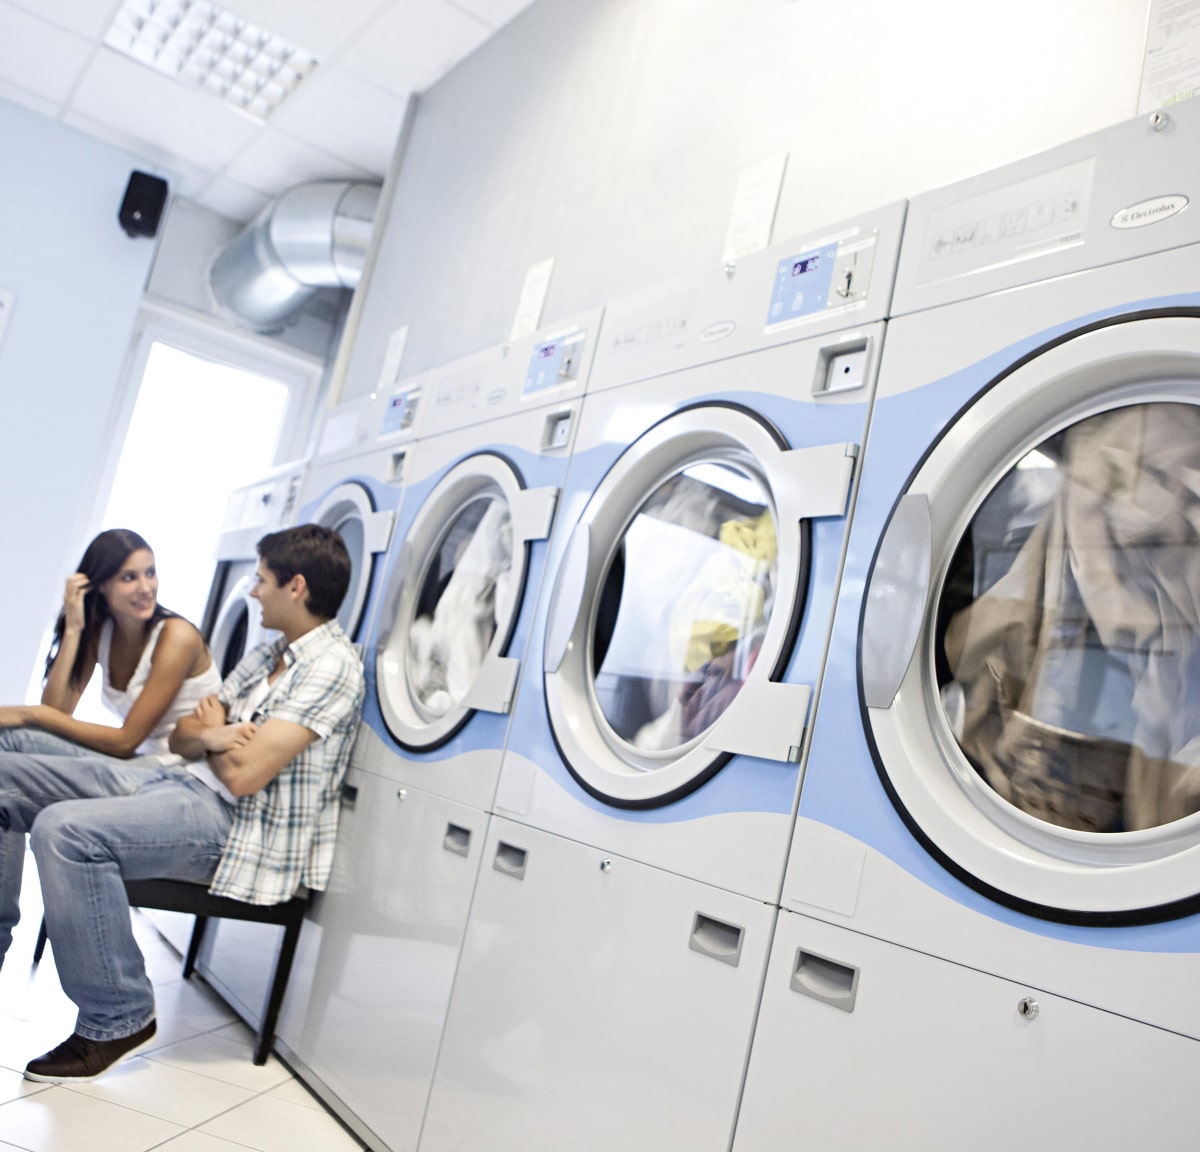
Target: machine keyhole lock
x=1028 y=1008
x=606 y=865
x=845 y=289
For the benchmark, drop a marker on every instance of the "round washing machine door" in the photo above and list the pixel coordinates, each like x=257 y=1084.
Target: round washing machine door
x=681 y=589
x=350 y=511
x=453 y=600
x=1030 y=639
x=238 y=626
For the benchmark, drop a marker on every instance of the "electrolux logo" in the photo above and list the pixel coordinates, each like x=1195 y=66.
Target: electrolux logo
x=1149 y=212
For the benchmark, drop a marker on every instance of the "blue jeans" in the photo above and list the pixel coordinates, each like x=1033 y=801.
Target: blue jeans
x=94 y=820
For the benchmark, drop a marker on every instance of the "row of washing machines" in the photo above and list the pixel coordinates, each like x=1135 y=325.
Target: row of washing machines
x=783 y=715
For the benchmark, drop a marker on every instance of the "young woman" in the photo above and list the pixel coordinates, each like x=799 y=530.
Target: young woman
x=155 y=665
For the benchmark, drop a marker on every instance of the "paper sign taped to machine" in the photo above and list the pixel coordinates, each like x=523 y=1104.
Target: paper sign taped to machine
x=754 y=205
x=7 y=299
x=392 y=358
x=1171 y=69
x=533 y=298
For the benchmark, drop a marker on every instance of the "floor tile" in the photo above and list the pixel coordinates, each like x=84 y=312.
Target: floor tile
x=194 y=1142
x=59 y=1120
x=225 y=1054
x=22 y=1040
x=162 y=1090
x=13 y=1085
x=275 y=1125
x=294 y=1092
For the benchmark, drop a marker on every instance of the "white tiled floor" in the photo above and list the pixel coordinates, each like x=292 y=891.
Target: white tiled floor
x=194 y=1090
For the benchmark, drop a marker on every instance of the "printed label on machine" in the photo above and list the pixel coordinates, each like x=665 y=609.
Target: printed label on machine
x=1017 y=222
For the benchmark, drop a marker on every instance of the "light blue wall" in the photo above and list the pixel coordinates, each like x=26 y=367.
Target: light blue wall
x=78 y=281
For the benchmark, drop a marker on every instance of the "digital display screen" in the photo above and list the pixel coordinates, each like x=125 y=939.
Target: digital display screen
x=808 y=264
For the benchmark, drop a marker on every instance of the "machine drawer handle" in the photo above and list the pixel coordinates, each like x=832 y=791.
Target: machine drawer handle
x=826 y=980
x=510 y=860
x=349 y=795
x=716 y=939
x=457 y=840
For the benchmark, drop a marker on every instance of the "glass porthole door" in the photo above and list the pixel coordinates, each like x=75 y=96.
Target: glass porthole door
x=1039 y=722
x=678 y=602
x=349 y=510
x=454 y=598
x=237 y=627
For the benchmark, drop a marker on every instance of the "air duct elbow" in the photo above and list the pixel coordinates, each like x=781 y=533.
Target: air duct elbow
x=311 y=237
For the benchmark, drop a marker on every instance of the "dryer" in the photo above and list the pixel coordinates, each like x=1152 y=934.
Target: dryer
x=623 y=913
x=1000 y=795
x=354 y=484
x=231 y=622
x=442 y=664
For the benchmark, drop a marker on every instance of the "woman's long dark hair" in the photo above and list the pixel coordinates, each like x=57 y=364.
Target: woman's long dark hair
x=102 y=560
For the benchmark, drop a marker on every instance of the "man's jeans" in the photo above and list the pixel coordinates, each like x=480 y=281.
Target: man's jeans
x=93 y=820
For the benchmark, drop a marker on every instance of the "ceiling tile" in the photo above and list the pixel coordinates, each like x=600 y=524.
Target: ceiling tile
x=323 y=29
x=346 y=116
x=414 y=43
x=183 y=176
x=494 y=13
x=172 y=117
x=38 y=56
x=278 y=162
x=31 y=100
x=89 y=18
x=232 y=199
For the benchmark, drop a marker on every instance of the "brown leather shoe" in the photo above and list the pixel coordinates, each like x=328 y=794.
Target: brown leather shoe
x=77 y=1059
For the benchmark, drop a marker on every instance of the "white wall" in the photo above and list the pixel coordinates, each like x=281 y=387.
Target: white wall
x=610 y=134
x=78 y=281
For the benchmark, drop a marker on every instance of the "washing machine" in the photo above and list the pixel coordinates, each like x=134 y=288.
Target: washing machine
x=1000 y=798
x=232 y=620
x=442 y=664
x=353 y=483
x=622 y=918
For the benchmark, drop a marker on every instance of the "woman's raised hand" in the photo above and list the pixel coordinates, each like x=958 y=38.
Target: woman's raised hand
x=77 y=586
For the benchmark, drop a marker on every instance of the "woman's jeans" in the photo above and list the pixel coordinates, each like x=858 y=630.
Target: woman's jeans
x=94 y=820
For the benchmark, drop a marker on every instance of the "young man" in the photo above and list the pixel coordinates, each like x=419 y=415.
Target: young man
x=248 y=804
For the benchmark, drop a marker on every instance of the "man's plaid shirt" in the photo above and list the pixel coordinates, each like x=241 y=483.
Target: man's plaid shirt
x=283 y=836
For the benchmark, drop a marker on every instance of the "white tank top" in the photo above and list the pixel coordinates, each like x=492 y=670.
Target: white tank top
x=191 y=691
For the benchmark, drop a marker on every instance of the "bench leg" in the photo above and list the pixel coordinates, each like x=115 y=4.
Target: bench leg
x=40 y=946
x=189 y=961
x=283 y=969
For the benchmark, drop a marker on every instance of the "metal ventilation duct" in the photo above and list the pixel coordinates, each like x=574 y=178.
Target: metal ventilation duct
x=311 y=237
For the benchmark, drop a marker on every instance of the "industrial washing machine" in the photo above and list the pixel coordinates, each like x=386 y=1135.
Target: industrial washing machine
x=992 y=925
x=442 y=664
x=621 y=923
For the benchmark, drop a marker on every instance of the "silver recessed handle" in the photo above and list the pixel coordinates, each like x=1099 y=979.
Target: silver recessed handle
x=457 y=840
x=510 y=860
x=716 y=939
x=826 y=980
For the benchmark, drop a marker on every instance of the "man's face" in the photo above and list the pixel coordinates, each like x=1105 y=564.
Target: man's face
x=271 y=596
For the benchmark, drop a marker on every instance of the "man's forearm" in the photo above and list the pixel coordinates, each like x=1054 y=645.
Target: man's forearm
x=186 y=739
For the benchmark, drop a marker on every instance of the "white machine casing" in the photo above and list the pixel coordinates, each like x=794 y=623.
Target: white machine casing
x=470 y=544
x=1041 y=948
x=621 y=923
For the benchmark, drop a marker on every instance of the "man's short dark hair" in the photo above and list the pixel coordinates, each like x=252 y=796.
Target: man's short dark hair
x=316 y=553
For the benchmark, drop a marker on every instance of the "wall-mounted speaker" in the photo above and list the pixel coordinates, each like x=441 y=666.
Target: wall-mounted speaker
x=141 y=210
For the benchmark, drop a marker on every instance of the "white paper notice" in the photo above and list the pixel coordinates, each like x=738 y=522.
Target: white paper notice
x=754 y=205
x=1171 y=70
x=7 y=299
x=533 y=298
x=392 y=358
